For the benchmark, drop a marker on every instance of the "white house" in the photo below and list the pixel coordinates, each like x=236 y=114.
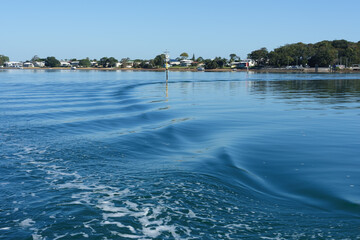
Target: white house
x=28 y=64
x=186 y=62
x=64 y=64
x=74 y=63
x=174 y=62
x=13 y=64
x=248 y=62
x=243 y=63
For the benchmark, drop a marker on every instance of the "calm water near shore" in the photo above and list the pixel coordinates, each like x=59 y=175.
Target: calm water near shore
x=123 y=155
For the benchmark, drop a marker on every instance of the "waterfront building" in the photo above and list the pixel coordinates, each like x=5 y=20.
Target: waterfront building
x=74 y=63
x=243 y=63
x=28 y=64
x=186 y=62
x=174 y=62
x=65 y=64
x=13 y=64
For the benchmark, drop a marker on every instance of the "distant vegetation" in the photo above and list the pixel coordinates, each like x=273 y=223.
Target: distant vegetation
x=321 y=54
x=3 y=59
x=52 y=62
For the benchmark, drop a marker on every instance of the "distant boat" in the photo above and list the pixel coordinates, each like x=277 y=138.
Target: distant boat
x=201 y=69
x=73 y=68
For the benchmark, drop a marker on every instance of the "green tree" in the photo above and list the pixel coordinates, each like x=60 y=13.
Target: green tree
x=3 y=59
x=85 y=62
x=324 y=56
x=200 y=59
x=124 y=61
x=193 y=57
x=260 y=56
x=234 y=57
x=210 y=64
x=35 y=58
x=52 y=62
x=112 y=62
x=220 y=62
x=104 y=61
x=184 y=55
x=159 y=60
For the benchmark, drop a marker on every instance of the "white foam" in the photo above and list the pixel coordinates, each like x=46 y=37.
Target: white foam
x=154 y=232
x=119 y=225
x=239 y=225
x=127 y=235
x=132 y=205
x=114 y=215
x=5 y=228
x=61 y=236
x=191 y=214
x=36 y=236
x=27 y=223
x=81 y=233
x=110 y=207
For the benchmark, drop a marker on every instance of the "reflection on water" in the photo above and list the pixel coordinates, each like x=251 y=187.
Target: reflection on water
x=119 y=155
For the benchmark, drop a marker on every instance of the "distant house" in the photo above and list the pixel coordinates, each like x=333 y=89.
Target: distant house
x=243 y=63
x=234 y=64
x=94 y=63
x=186 y=62
x=64 y=64
x=39 y=64
x=74 y=63
x=28 y=64
x=174 y=62
x=13 y=64
x=128 y=64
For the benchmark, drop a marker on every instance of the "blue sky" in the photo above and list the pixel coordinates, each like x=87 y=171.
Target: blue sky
x=144 y=28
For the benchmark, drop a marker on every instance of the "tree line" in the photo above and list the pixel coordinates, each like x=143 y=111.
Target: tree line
x=320 y=54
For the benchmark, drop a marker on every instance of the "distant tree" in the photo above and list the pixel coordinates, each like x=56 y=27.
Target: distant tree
x=233 y=57
x=193 y=57
x=112 y=62
x=3 y=59
x=324 y=56
x=200 y=59
x=124 y=61
x=85 y=62
x=159 y=60
x=52 y=62
x=184 y=55
x=35 y=58
x=210 y=64
x=104 y=61
x=259 y=56
x=221 y=62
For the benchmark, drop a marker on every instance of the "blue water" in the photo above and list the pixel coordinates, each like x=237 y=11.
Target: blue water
x=123 y=155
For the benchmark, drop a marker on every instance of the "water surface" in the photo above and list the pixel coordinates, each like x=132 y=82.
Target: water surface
x=120 y=155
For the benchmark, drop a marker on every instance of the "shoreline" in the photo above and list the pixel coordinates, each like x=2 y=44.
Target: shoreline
x=267 y=70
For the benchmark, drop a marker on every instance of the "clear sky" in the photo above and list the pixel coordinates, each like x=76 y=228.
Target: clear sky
x=145 y=28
